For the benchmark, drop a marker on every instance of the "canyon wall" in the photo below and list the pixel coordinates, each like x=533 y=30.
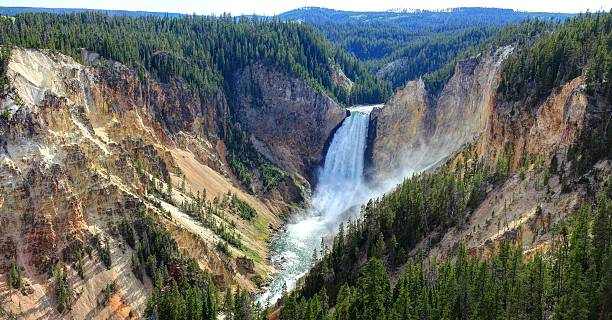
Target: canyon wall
x=469 y=123
x=544 y=186
x=82 y=146
x=289 y=122
x=415 y=130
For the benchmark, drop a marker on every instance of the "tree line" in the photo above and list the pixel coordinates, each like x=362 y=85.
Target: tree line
x=400 y=47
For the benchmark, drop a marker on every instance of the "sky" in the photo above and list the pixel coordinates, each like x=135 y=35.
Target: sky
x=271 y=7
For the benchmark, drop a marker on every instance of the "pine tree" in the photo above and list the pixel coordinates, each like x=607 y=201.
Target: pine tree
x=379 y=247
x=15 y=278
x=228 y=304
x=80 y=266
x=63 y=293
x=602 y=224
x=374 y=288
x=393 y=258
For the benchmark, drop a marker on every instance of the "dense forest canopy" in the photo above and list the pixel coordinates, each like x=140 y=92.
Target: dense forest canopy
x=572 y=281
x=204 y=51
x=438 y=66
x=420 y=19
x=12 y=11
x=403 y=45
x=582 y=46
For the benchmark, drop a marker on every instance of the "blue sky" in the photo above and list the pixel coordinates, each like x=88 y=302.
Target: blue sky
x=270 y=7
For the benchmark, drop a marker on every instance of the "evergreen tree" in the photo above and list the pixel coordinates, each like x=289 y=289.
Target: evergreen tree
x=15 y=278
x=63 y=293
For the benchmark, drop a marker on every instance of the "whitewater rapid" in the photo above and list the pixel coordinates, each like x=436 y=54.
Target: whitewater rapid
x=339 y=192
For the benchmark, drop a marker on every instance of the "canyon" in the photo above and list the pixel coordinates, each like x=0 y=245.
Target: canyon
x=86 y=142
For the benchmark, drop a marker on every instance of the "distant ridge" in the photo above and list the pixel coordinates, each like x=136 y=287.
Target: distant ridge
x=415 y=18
x=321 y=15
x=12 y=11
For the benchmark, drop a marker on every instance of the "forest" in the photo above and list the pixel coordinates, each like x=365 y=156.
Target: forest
x=414 y=19
x=582 y=46
x=203 y=51
x=402 y=46
x=572 y=281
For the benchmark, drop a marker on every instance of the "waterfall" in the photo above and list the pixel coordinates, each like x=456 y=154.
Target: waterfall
x=341 y=178
x=340 y=188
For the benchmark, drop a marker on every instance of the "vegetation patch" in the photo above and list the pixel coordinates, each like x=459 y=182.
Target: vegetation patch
x=107 y=293
x=14 y=276
x=63 y=293
x=244 y=210
x=5 y=57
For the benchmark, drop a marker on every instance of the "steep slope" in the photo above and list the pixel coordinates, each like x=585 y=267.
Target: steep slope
x=415 y=131
x=543 y=188
x=85 y=147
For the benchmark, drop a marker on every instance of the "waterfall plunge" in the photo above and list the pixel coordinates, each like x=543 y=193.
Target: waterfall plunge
x=339 y=189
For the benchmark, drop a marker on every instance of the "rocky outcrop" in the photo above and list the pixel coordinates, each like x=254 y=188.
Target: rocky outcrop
x=415 y=129
x=173 y=105
x=289 y=122
x=61 y=182
x=550 y=127
x=340 y=79
x=403 y=124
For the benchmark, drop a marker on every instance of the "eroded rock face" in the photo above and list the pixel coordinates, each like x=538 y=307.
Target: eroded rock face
x=415 y=130
x=550 y=127
x=525 y=208
x=67 y=173
x=289 y=122
x=403 y=124
x=69 y=158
